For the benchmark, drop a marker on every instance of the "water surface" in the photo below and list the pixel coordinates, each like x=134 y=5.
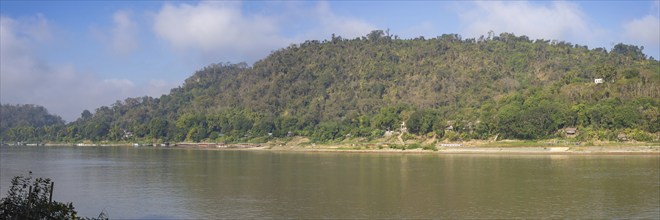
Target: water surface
x=128 y=182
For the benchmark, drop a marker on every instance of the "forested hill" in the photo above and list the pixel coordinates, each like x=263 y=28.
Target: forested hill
x=23 y=122
x=503 y=85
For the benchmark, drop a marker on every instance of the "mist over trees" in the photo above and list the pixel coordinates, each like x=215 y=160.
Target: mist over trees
x=497 y=85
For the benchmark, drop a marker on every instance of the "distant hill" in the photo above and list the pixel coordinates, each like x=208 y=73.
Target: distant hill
x=26 y=122
x=503 y=85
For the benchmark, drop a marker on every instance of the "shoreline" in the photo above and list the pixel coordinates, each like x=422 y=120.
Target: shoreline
x=645 y=150
x=636 y=150
x=338 y=148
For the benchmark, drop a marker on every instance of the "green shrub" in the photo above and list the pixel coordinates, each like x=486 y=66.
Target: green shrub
x=398 y=147
x=414 y=146
x=430 y=147
x=377 y=133
x=452 y=136
x=408 y=136
x=260 y=139
x=639 y=135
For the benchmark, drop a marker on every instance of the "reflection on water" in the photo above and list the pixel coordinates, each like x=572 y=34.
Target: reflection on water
x=179 y=183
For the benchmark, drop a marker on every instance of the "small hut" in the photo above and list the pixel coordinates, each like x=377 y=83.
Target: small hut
x=570 y=131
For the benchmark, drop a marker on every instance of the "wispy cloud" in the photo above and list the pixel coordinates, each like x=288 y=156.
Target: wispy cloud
x=347 y=27
x=62 y=88
x=124 y=33
x=558 y=20
x=645 y=31
x=123 y=37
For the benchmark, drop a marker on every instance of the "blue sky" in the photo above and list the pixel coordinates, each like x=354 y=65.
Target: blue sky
x=74 y=55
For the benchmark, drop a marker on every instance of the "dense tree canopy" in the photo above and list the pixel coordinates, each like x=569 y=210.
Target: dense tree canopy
x=27 y=123
x=504 y=85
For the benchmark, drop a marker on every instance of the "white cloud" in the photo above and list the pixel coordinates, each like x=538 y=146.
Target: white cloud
x=346 y=27
x=27 y=79
x=124 y=33
x=644 y=30
x=15 y=55
x=319 y=21
x=217 y=29
x=220 y=31
x=122 y=37
x=559 y=20
x=156 y=88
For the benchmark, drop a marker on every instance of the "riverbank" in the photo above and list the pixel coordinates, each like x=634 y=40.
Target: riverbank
x=467 y=147
x=370 y=148
x=422 y=146
x=644 y=150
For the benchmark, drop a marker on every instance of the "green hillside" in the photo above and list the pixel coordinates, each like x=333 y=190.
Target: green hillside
x=507 y=86
x=26 y=122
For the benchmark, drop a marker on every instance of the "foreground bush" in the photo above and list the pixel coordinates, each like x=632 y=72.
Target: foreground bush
x=32 y=199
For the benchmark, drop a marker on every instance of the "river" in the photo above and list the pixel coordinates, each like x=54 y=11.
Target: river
x=149 y=183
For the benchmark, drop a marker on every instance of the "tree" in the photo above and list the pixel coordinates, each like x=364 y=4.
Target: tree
x=421 y=122
x=28 y=199
x=629 y=50
x=158 y=128
x=375 y=35
x=264 y=126
x=115 y=133
x=328 y=131
x=16 y=119
x=85 y=115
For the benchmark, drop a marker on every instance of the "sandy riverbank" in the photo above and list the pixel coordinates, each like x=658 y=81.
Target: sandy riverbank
x=648 y=150
x=470 y=147
x=645 y=150
x=302 y=145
